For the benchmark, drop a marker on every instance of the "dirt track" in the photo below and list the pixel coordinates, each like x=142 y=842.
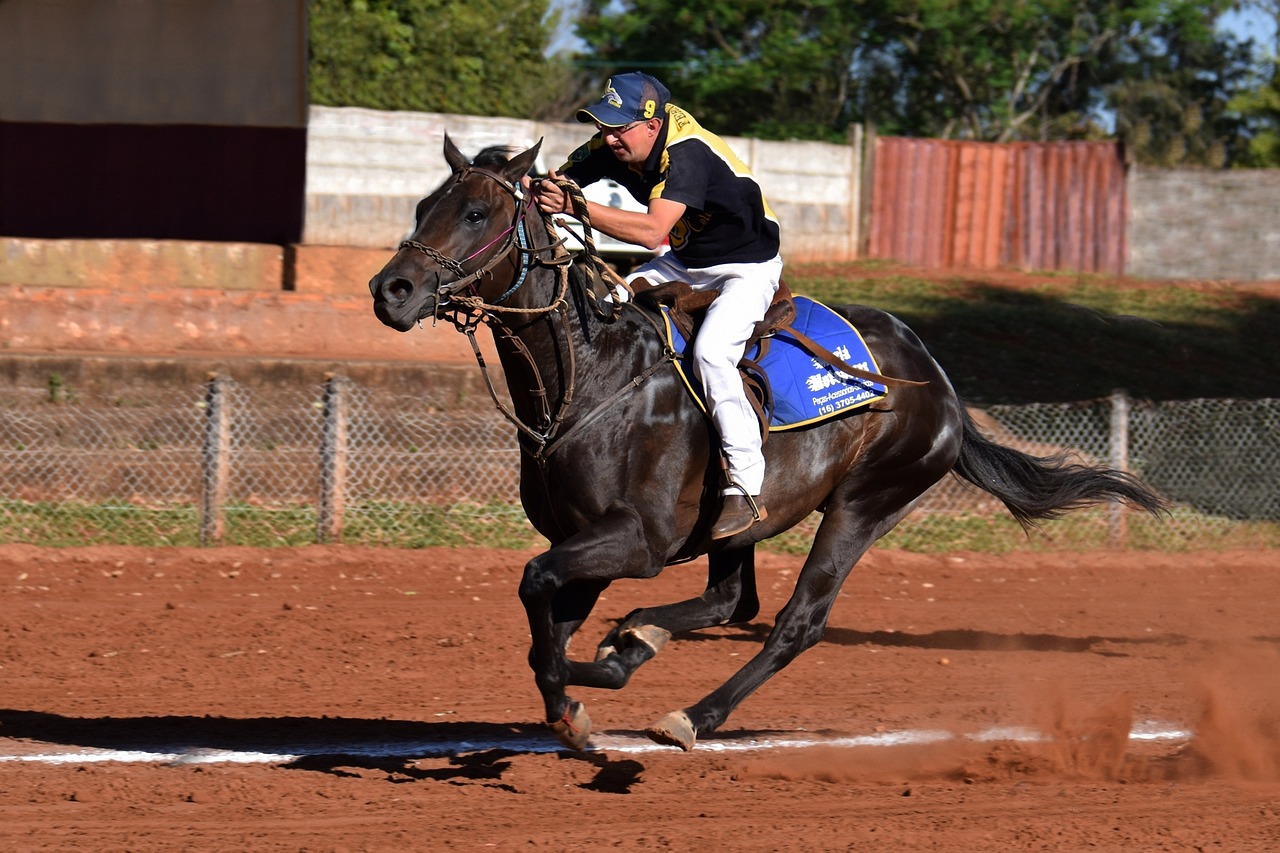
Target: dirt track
x=247 y=650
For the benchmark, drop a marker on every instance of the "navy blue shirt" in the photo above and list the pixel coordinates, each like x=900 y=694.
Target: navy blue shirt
x=726 y=217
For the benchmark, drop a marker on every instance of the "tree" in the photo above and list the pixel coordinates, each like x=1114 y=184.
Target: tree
x=1260 y=111
x=986 y=69
x=479 y=57
x=1172 y=93
x=995 y=70
x=1002 y=70
x=765 y=68
x=1259 y=106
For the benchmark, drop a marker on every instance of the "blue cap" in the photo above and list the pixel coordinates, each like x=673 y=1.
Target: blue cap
x=634 y=96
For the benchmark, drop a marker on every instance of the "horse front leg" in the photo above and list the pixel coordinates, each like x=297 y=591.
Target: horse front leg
x=558 y=590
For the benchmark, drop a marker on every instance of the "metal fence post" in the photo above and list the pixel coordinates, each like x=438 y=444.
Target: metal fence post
x=1118 y=524
x=333 y=458
x=216 y=461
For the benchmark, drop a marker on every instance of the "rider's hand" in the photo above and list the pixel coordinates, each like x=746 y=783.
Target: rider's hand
x=549 y=197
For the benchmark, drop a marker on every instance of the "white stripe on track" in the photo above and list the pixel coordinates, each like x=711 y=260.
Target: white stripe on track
x=604 y=742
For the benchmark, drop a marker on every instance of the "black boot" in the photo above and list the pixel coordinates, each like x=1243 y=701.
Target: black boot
x=738 y=514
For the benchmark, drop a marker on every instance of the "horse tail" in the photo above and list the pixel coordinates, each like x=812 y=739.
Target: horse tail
x=1039 y=488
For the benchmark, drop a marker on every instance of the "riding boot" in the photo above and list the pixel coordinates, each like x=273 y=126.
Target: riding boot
x=738 y=514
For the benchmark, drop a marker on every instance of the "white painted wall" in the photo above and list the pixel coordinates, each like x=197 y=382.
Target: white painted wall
x=367 y=169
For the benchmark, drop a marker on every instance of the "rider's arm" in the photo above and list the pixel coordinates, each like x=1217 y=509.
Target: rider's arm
x=648 y=229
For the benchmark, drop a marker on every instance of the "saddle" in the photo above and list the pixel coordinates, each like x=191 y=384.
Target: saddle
x=686 y=307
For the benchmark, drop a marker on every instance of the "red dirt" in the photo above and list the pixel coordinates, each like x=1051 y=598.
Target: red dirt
x=240 y=648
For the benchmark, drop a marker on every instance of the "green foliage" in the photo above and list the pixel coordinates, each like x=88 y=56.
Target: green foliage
x=762 y=68
x=1003 y=70
x=1173 y=87
x=1259 y=109
x=994 y=70
x=480 y=57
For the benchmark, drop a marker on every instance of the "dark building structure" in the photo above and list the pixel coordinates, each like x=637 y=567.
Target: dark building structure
x=160 y=119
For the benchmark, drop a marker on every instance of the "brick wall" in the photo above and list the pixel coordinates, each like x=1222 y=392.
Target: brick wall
x=1201 y=224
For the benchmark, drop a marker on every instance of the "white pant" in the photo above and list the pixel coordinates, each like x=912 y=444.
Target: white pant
x=745 y=293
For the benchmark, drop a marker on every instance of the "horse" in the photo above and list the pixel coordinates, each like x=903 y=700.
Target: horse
x=619 y=468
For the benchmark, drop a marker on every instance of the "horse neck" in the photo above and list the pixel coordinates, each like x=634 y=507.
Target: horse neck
x=567 y=361
x=544 y=353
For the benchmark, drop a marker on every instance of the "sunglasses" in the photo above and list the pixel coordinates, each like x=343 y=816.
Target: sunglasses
x=617 y=131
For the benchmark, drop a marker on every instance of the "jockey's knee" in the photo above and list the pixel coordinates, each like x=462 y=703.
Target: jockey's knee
x=714 y=359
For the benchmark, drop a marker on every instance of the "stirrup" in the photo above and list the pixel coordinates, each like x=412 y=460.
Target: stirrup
x=751 y=501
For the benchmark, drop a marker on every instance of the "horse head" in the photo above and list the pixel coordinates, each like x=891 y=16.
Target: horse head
x=465 y=238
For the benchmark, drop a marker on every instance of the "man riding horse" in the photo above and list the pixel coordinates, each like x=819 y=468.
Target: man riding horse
x=618 y=469
x=704 y=200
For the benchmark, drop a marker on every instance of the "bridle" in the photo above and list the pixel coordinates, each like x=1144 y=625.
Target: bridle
x=467 y=311
x=515 y=237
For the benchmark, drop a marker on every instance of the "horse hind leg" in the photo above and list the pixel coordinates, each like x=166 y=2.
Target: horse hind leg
x=729 y=598
x=850 y=526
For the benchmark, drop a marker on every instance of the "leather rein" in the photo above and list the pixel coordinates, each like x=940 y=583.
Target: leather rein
x=467 y=311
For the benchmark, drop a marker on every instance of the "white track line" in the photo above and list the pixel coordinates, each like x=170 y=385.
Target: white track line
x=605 y=742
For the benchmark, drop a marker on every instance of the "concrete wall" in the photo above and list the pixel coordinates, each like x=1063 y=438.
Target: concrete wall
x=214 y=324
x=204 y=300
x=1200 y=224
x=367 y=169
x=135 y=265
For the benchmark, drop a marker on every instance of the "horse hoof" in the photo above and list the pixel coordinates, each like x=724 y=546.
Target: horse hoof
x=651 y=635
x=675 y=729
x=574 y=728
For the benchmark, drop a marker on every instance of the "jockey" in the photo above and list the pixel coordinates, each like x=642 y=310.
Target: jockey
x=705 y=202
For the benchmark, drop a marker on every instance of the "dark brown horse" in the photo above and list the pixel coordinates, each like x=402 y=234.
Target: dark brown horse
x=619 y=469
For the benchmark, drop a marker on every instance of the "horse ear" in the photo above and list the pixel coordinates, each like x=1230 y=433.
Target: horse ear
x=518 y=166
x=456 y=159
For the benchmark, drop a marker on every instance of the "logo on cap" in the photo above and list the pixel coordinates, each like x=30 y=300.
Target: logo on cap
x=615 y=100
x=650 y=107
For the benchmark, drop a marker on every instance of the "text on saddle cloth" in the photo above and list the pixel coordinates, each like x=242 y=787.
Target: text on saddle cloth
x=805 y=389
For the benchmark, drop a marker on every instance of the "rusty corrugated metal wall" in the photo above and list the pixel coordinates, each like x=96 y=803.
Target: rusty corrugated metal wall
x=1045 y=206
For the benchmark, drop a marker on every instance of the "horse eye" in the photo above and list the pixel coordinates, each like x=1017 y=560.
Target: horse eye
x=474 y=216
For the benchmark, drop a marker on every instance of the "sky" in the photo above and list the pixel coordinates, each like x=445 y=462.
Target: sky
x=1252 y=24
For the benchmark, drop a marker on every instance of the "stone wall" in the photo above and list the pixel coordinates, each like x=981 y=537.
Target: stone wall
x=1201 y=224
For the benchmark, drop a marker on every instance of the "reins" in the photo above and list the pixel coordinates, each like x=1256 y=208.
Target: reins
x=468 y=311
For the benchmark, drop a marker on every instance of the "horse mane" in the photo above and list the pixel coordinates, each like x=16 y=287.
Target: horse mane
x=494 y=155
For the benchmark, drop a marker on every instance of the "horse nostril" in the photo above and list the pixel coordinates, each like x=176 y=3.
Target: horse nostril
x=393 y=289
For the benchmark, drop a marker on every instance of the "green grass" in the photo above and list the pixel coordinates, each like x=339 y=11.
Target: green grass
x=66 y=523
x=1061 y=338
x=503 y=525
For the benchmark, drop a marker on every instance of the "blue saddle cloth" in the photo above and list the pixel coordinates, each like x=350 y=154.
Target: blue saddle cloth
x=806 y=390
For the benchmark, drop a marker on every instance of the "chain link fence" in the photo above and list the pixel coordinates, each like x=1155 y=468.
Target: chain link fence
x=223 y=464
